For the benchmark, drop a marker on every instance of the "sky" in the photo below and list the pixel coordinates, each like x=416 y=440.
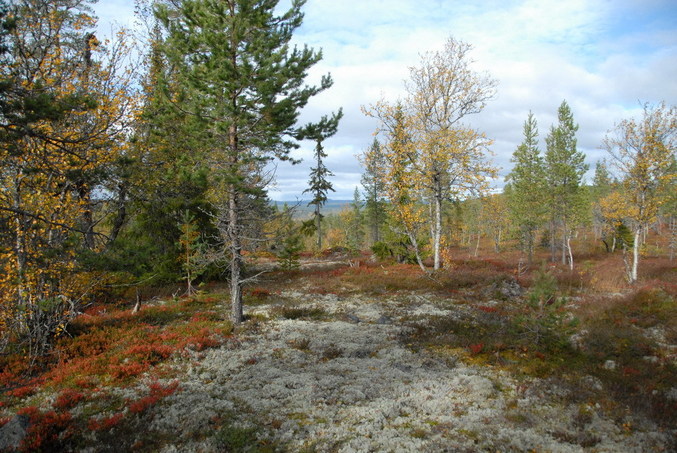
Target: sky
x=604 y=57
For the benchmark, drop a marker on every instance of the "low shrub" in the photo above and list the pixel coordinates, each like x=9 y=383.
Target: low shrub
x=105 y=423
x=157 y=392
x=47 y=431
x=236 y=439
x=544 y=321
x=302 y=344
x=68 y=399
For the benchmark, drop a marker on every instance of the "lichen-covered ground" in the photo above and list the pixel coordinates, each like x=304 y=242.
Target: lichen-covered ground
x=344 y=379
x=374 y=358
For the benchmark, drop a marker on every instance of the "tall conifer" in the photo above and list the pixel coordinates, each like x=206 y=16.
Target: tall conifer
x=319 y=185
x=247 y=84
x=526 y=186
x=565 y=167
x=374 y=161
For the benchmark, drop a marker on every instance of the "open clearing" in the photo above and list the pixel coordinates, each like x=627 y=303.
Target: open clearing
x=348 y=382
x=374 y=358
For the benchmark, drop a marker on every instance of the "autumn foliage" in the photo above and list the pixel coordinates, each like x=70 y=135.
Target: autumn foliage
x=64 y=111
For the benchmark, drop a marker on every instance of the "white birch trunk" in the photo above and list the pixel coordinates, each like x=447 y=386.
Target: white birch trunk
x=437 y=233
x=635 y=255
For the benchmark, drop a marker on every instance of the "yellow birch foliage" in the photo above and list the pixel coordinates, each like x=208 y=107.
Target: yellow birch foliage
x=400 y=179
x=615 y=208
x=642 y=153
x=50 y=173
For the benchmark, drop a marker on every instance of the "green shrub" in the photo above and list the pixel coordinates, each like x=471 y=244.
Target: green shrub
x=545 y=321
x=381 y=250
x=233 y=439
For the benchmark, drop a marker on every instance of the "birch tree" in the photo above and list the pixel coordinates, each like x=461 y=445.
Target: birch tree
x=399 y=176
x=452 y=162
x=642 y=153
x=66 y=102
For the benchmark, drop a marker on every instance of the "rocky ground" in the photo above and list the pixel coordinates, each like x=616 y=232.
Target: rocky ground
x=342 y=378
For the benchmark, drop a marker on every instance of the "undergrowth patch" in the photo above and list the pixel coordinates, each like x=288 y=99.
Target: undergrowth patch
x=615 y=341
x=107 y=348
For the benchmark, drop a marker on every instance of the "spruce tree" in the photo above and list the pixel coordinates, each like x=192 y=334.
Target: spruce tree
x=318 y=184
x=600 y=189
x=565 y=167
x=246 y=84
x=355 y=236
x=165 y=174
x=526 y=186
x=374 y=161
x=291 y=241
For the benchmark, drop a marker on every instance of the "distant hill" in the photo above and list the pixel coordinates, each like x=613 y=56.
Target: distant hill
x=303 y=210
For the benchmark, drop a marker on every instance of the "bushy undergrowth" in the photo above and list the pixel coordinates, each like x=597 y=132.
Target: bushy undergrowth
x=305 y=313
x=377 y=279
x=104 y=348
x=615 y=342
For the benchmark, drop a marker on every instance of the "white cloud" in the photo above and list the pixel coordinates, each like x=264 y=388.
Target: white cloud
x=602 y=56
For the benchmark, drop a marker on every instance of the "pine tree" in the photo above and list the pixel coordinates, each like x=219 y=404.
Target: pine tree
x=233 y=59
x=526 y=186
x=565 y=167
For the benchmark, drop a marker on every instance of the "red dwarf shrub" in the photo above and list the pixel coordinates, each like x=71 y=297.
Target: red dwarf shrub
x=151 y=353
x=47 y=431
x=157 y=392
x=23 y=392
x=105 y=423
x=158 y=389
x=259 y=293
x=476 y=348
x=68 y=399
x=205 y=316
x=85 y=382
x=95 y=310
x=127 y=370
x=11 y=370
x=29 y=411
x=144 y=403
x=629 y=371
